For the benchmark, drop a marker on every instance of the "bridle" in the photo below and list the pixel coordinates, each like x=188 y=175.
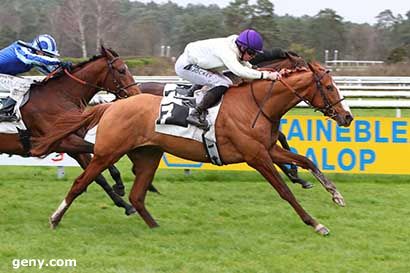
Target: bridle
x=327 y=109
x=120 y=92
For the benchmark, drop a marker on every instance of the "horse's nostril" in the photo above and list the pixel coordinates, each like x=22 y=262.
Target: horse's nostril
x=349 y=118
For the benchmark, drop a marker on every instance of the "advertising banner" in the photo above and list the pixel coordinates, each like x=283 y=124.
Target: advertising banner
x=376 y=145
x=370 y=145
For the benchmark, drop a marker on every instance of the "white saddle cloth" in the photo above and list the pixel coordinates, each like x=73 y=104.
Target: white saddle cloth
x=169 y=102
x=17 y=87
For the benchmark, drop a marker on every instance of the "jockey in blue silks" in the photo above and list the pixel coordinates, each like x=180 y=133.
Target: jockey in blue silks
x=20 y=57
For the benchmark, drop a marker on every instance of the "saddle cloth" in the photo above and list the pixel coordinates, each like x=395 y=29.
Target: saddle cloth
x=174 y=111
x=18 y=87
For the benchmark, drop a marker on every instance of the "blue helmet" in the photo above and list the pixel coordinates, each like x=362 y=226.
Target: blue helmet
x=250 y=39
x=45 y=43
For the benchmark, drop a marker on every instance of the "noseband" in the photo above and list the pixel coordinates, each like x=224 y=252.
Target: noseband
x=328 y=108
x=122 y=90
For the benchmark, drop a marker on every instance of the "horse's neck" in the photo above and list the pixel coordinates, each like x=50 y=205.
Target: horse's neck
x=282 y=99
x=83 y=92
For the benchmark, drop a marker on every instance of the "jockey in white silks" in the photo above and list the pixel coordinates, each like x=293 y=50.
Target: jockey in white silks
x=203 y=61
x=20 y=57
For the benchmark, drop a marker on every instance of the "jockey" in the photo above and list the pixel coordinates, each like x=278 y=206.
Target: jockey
x=20 y=57
x=202 y=63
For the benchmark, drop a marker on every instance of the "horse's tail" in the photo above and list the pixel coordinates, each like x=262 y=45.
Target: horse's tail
x=67 y=124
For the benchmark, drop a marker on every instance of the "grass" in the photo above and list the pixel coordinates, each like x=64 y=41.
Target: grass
x=210 y=222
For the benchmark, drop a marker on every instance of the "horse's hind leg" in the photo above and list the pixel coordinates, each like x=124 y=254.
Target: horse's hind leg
x=84 y=161
x=282 y=156
x=97 y=165
x=146 y=161
x=292 y=172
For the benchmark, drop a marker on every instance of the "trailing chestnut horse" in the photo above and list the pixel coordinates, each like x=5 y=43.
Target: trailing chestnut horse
x=128 y=127
x=67 y=91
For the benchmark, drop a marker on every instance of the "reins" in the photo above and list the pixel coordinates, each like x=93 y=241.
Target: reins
x=260 y=106
x=99 y=88
x=326 y=110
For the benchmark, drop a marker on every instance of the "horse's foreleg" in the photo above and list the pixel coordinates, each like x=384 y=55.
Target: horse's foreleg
x=145 y=163
x=263 y=164
x=118 y=187
x=292 y=172
x=282 y=156
x=96 y=166
x=84 y=160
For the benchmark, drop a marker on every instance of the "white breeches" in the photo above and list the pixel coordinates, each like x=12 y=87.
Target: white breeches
x=199 y=75
x=17 y=86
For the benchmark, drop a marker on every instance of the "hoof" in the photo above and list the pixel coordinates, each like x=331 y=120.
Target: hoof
x=130 y=211
x=338 y=199
x=52 y=223
x=306 y=185
x=322 y=230
x=303 y=183
x=120 y=190
x=151 y=188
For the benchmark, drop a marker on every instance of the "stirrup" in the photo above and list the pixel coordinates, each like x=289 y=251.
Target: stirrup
x=196 y=121
x=8 y=118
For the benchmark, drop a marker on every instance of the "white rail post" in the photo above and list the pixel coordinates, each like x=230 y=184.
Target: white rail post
x=60 y=172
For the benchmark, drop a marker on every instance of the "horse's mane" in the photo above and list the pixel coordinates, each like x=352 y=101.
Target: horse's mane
x=268 y=56
x=75 y=67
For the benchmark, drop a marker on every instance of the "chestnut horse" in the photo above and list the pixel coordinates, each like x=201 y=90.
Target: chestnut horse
x=128 y=127
x=66 y=91
x=276 y=60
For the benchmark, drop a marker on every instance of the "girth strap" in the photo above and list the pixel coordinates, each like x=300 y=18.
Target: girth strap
x=24 y=136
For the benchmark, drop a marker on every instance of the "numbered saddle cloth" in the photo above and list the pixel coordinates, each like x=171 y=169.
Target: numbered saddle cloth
x=18 y=88
x=174 y=110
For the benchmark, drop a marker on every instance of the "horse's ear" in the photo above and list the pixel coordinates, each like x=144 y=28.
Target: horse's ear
x=103 y=51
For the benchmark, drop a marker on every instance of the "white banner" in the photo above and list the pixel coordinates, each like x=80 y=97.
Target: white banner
x=54 y=159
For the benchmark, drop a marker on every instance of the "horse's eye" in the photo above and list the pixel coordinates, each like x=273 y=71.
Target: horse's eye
x=329 y=88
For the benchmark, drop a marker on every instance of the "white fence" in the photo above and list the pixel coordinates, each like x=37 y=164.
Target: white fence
x=360 y=92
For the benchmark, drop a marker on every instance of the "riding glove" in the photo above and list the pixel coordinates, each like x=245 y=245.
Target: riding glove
x=270 y=75
x=66 y=65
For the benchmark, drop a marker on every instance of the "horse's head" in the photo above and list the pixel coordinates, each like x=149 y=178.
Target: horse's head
x=119 y=79
x=325 y=96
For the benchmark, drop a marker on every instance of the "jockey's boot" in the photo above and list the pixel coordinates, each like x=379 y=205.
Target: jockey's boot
x=7 y=110
x=192 y=89
x=211 y=98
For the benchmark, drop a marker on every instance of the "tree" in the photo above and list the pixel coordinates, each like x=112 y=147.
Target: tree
x=263 y=20
x=361 y=42
x=326 y=31
x=7 y=36
x=385 y=19
x=237 y=16
x=72 y=18
x=105 y=19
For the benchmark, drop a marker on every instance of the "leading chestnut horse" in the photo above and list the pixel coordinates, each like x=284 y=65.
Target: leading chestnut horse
x=67 y=91
x=128 y=127
x=275 y=59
